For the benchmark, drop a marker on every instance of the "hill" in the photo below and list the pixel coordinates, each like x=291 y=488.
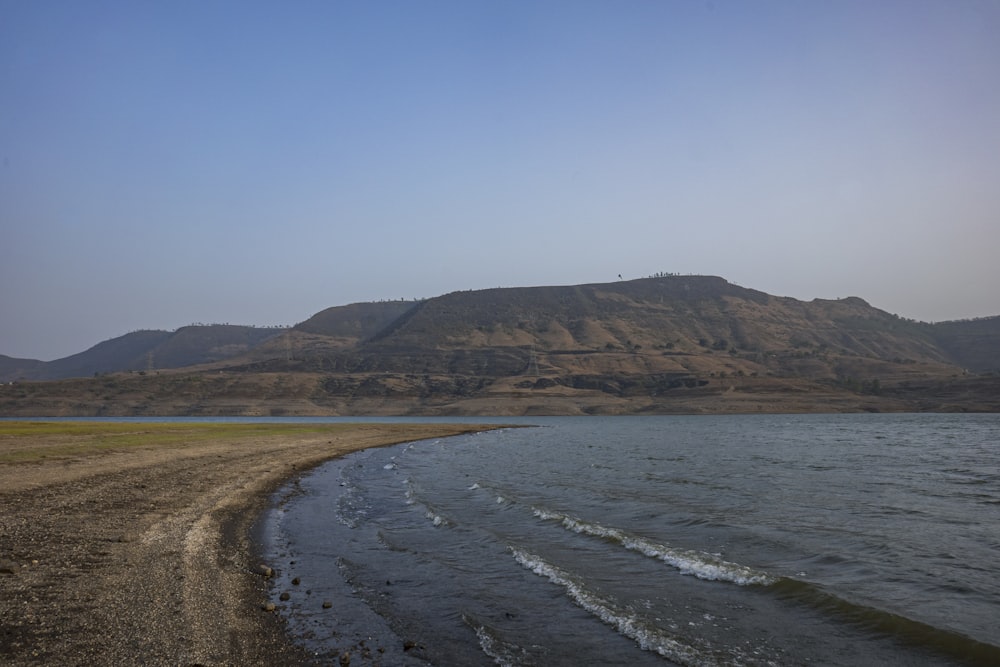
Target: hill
x=972 y=344
x=12 y=368
x=145 y=350
x=655 y=345
x=354 y=322
x=669 y=324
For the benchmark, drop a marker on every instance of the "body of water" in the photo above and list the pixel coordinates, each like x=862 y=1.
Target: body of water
x=708 y=540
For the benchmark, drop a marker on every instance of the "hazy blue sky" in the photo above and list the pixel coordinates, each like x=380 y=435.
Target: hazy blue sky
x=163 y=163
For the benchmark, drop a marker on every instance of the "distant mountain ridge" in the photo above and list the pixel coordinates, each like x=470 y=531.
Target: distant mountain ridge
x=635 y=343
x=665 y=324
x=144 y=350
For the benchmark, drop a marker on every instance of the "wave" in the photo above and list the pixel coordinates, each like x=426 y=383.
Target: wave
x=351 y=508
x=503 y=653
x=648 y=638
x=430 y=512
x=696 y=563
x=709 y=567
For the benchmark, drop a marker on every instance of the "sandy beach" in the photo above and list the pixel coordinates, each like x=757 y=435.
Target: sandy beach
x=130 y=543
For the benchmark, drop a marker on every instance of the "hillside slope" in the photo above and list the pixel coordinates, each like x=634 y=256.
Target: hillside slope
x=669 y=344
x=972 y=344
x=668 y=325
x=117 y=354
x=146 y=350
x=12 y=368
x=355 y=321
x=678 y=313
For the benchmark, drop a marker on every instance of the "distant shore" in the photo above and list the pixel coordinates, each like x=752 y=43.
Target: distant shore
x=129 y=543
x=290 y=394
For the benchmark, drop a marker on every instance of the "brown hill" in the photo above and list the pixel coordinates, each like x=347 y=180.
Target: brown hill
x=972 y=344
x=662 y=344
x=12 y=368
x=356 y=321
x=146 y=350
x=668 y=324
x=122 y=353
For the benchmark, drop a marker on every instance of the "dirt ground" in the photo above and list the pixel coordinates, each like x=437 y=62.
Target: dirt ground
x=142 y=555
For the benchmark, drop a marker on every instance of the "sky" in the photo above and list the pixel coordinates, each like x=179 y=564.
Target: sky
x=172 y=162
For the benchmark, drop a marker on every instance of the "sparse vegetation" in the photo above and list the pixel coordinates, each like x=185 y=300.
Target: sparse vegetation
x=476 y=350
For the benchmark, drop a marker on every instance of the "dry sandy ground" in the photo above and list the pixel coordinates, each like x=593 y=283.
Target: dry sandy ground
x=144 y=556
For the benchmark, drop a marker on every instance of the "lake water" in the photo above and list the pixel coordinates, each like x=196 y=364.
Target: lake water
x=703 y=540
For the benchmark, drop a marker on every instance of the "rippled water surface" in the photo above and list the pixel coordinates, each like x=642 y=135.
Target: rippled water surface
x=756 y=540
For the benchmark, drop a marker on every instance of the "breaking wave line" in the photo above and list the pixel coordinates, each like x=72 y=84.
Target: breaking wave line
x=695 y=563
x=648 y=638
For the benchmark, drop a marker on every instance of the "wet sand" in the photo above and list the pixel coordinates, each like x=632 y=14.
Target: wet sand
x=136 y=547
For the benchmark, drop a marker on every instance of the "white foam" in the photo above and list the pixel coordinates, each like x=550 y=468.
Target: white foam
x=412 y=499
x=499 y=498
x=436 y=519
x=648 y=638
x=546 y=515
x=504 y=654
x=696 y=563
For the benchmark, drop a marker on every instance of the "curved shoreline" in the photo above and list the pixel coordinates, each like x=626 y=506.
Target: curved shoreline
x=146 y=556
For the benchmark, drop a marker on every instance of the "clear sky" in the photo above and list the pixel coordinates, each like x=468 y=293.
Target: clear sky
x=164 y=163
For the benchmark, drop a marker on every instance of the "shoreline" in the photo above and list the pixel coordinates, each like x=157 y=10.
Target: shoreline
x=145 y=554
